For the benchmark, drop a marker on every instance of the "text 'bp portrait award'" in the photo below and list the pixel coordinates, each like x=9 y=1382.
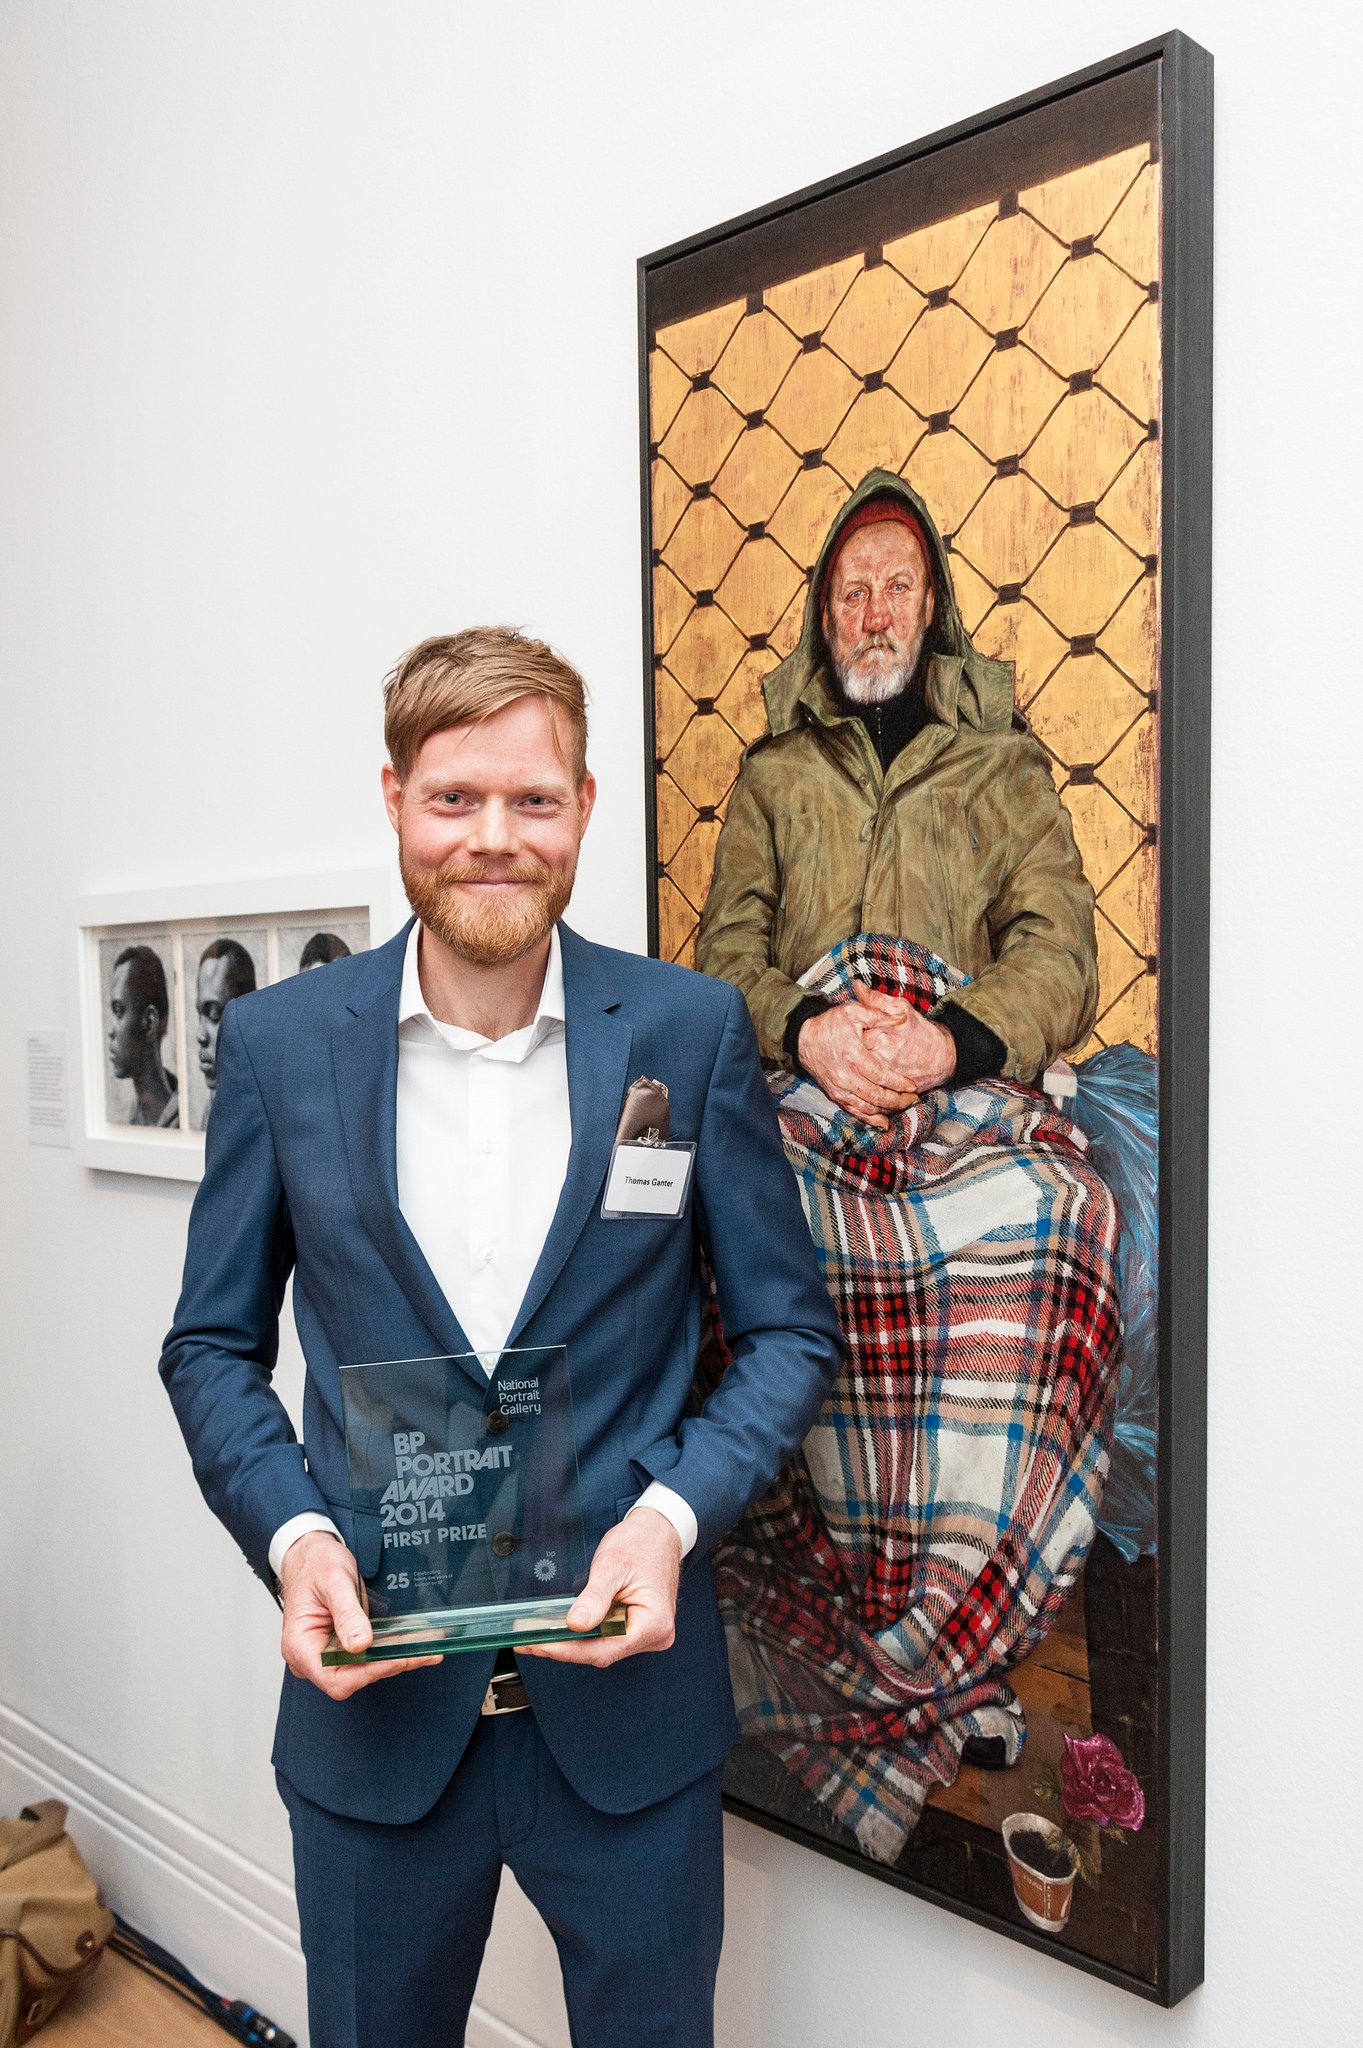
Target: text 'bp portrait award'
x=468 y=1467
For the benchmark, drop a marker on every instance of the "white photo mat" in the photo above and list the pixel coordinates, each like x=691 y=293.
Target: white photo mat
x=269 y=919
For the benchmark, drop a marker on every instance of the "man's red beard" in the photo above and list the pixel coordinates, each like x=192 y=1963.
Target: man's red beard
x=488 y=933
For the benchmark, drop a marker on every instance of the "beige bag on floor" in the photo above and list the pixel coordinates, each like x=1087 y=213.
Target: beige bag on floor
x=53 y=1919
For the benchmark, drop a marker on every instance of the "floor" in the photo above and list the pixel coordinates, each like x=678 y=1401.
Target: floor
x=119 y=2007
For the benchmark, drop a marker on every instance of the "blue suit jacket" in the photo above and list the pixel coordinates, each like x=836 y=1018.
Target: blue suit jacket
x=301 y=1176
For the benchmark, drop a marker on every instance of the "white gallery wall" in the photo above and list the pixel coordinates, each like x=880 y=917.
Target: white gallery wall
x=317 y=334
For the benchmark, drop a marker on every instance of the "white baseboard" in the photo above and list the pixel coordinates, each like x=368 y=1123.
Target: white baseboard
x=231 y=1921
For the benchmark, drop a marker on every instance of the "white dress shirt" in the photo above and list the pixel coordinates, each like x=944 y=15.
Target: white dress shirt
x=483 y=1135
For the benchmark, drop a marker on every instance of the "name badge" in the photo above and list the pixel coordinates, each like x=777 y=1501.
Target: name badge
x=648 y=1180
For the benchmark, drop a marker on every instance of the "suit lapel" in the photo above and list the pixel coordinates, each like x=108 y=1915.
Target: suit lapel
x=364 y=1050
x=598 y=1047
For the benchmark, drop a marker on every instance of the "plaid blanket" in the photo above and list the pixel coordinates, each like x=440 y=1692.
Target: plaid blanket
x=947 y=1494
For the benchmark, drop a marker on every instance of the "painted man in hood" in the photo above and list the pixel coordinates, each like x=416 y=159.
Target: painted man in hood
x=898 y=792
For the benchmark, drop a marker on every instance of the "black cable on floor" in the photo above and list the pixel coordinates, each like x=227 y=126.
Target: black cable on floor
x=236 y=2018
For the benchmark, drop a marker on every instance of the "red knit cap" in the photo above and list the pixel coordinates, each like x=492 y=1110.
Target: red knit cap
x=875 y=512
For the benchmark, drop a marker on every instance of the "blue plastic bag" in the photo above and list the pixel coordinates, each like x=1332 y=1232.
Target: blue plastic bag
x=1117 y=1108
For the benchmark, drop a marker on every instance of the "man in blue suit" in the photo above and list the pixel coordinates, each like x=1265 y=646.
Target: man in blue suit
x=422 y=1136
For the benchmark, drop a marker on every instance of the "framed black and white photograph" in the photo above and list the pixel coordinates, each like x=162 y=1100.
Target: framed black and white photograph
x=153 y=972
x=136 y=981
x=218 y=965
x=315 y=942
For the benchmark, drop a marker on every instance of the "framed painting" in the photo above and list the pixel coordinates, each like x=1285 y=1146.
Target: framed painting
x=927 y=480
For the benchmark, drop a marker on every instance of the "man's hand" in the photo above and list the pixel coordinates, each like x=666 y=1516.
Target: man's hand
x=842 y=1048
x=321 y=1586
x=921 y=1053
x=639 y=1562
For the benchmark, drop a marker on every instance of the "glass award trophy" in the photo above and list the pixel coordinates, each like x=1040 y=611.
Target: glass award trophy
x=471 y=1477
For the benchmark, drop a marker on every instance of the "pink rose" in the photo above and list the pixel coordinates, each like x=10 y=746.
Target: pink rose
x=1095 y=1784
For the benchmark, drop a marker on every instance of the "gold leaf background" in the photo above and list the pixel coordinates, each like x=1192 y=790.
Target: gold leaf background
x=1006 y=362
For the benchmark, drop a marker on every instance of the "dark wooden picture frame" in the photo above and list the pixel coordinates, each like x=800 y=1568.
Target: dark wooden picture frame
x=1161 y=92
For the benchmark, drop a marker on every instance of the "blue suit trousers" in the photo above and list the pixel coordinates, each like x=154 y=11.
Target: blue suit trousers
x=395 y=1917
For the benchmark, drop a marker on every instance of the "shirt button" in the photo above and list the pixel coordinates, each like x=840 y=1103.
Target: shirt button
x=488 y=1254
x=486 y=1145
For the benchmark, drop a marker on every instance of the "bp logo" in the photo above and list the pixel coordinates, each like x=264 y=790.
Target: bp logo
x=546 y=1569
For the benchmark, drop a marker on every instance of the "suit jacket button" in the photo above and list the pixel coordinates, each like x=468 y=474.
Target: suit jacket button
x=503 y=1543
x=496 y=1423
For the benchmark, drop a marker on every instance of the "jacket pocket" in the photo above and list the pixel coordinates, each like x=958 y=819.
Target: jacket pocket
x=363 y=1532
x=368 y=1543
x=958 y=862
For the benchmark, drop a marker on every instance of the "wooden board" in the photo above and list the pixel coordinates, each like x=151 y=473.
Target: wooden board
x=119 y=2007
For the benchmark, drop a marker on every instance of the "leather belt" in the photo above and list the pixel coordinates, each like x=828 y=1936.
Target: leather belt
x=506 y=1694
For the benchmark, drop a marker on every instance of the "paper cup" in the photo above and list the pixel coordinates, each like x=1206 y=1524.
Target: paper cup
x=1045 y=1901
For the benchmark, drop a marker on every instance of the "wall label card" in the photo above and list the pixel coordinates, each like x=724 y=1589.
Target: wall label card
x=47 y=1113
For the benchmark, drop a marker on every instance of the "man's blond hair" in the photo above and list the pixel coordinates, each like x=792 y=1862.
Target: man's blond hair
x=462 y=678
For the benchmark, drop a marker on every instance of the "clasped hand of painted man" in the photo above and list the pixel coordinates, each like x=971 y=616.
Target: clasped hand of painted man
x=877 y=1055
x=637 y=1562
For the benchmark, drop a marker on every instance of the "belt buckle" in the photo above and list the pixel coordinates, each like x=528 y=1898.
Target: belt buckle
x=495 y=1700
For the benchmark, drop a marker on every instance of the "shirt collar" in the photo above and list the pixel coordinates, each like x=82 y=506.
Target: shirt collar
x=551 y=1009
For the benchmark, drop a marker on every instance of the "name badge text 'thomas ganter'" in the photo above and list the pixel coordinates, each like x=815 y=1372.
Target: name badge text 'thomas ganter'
x=648 y=1180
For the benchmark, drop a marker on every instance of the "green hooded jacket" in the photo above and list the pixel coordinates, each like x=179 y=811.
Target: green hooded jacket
x=963 y=845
